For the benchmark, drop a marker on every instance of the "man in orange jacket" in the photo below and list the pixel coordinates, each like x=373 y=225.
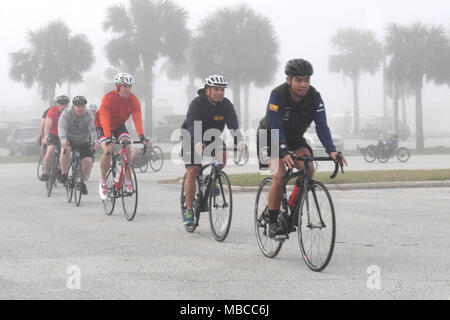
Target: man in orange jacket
x=116 y=107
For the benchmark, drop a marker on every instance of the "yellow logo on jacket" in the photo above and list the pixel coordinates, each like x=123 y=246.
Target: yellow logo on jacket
x=274 y=108
x=219 y=118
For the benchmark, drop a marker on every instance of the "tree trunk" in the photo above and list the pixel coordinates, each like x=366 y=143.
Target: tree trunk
x=236 y=87
x=420 y=141
x=355 y=106
x=404 y=118
x=385 y=115
x=51 y=94
x=148 y=98
x=396 y=125
x=246 y=106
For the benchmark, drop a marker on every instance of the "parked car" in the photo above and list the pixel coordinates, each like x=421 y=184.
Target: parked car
x=378 y=128
x=313 y=140
x=23 y=141
x=163 y=131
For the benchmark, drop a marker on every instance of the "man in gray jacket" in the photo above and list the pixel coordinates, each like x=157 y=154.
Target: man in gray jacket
x=76 y=130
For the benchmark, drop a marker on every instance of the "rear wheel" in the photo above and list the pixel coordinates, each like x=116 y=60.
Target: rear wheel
x=221 y=207
x=156 y=158
x=40 y=167
x=196 y=206
x=53 y=173
x=130 y=199
x=317 y=227
x=109 y=204
x=370 y=154
x=269 y=247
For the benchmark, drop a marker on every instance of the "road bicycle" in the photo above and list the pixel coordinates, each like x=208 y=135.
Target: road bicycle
x=309 y=212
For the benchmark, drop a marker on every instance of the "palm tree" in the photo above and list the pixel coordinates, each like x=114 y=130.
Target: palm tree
x=419 y=52
x=145 y=32
x=240 y=44
x=53 y=57
x=359 y=52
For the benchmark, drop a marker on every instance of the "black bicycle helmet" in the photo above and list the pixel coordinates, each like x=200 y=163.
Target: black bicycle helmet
x=79 y=101
x=62 y=99
x=299 y=68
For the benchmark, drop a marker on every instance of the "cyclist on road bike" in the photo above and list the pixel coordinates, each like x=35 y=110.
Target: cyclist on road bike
x=40 y=136
x=211 y=110
x=77 y=130
x=116 y=107
x=292 y=107
x=51 y=138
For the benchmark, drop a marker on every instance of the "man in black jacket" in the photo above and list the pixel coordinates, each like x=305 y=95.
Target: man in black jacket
x=206 y=119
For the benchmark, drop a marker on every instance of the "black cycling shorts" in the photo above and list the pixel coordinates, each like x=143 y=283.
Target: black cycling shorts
x=191 y=159
x=121 y=132
x=265 y=148
x=84 y=149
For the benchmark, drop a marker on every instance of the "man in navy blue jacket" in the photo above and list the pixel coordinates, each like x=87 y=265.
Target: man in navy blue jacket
x=292 y=108
x=211 y=111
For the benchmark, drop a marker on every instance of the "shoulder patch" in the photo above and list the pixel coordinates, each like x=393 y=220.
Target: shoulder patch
x=274 y=108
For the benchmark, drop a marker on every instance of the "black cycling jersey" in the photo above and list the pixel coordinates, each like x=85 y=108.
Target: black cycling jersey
x=292 y=119
x=211 y=117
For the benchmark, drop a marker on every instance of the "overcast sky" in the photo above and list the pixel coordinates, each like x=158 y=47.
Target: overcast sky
x=304 y=29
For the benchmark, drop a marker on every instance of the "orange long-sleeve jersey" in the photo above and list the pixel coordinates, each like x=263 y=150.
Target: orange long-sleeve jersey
x=115 y=111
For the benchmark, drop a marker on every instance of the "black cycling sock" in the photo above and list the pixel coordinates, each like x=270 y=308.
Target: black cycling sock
x=273 y=215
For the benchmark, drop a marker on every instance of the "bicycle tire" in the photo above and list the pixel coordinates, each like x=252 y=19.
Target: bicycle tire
x=144 y=168
x=110 y=203
x=78 y=180
x=309 y=222
x=156 y=155
x=193 y=227
x=370 y=154
x=403 y=154
x=130 y=207
x=70 y=183
x=269 y=247
x=52 y=176
x=40 y=167
x=220 y=231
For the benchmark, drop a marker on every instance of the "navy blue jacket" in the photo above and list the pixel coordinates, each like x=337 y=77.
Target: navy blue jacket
x=212 y=117
x=294 y=118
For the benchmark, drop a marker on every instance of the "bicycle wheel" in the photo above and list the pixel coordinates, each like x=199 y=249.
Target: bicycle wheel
x=109 y=204
x=78 y=180
x=40 y=167
x=196 y=204
x=156 y=158
x=220 y=207
x=52 y=175
x=130 y=200
x=269 y=247
x=317 y=227
x=70 y=183
x=403 y=155
x=370 y=154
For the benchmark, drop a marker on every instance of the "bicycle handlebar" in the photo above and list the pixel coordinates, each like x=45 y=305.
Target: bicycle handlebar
x=124 y=144
x=305 y=159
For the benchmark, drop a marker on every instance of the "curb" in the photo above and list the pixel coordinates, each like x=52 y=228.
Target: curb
x=360 y=186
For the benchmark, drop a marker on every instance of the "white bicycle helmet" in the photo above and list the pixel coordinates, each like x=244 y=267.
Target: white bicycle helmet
x=216 y=81
x=124 y=78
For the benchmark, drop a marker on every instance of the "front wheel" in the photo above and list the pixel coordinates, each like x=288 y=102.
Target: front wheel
x=40 y=167
x=156 y=159
x=109 y=204
x=78 y=180
x=70 y=183
x=220 y=207
x=129 y=196
x=317 y=227
x=403 y=155
x=269 y=247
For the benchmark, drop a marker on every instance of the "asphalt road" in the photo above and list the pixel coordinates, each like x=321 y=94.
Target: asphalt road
x=391 y=244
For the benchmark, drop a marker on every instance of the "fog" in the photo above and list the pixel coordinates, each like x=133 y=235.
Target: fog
x=304 y=29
